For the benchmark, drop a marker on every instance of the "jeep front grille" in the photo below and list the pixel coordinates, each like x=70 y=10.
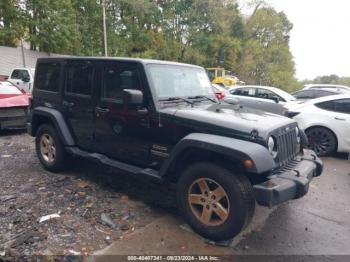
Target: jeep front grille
x=287 y=145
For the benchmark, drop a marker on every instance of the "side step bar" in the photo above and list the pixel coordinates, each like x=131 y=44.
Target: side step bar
x=135 y=170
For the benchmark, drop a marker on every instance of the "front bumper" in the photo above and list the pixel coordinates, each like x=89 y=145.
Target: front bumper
x=13 y=118
x=289 y=182
x=18 y=122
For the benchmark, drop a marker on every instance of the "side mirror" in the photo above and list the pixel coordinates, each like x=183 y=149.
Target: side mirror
x=132 y=97
x=276 y=99
x=232 y=101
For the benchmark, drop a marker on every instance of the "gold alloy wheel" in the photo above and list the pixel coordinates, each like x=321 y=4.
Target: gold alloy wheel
x=209 y=202
x=47 y=148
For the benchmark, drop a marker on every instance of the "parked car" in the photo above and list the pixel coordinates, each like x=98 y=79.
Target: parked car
x=23 y=78
x=326 y=122
x=263 y=93
x=160 y=120
x=13 y=106
x=312 y=93
x=223 y=94
x=328 y=86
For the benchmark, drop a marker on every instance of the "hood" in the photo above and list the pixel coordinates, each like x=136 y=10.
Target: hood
x=228 y=120
x=14 y=101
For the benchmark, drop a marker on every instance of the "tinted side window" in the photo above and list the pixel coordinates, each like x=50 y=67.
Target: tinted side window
x=247 y=91
x=48 y=76
x=19 y=74
x=304 y=94
x=267 y=94
x=79 y=78
x=341 y=105
x=117 y=78
x=322 y=93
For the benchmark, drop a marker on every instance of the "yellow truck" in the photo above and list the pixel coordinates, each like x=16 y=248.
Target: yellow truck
x=217 y=75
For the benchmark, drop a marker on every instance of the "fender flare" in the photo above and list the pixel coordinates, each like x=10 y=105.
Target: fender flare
x=232 y=148
x=57 y=119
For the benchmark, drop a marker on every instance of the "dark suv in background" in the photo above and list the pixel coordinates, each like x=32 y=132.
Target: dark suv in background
x=161 y=120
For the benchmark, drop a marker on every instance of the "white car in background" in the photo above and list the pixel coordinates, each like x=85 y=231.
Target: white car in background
x=313 y=93
x=327 y=86
x=326 y=122
x=23 y=78
x=263 y=93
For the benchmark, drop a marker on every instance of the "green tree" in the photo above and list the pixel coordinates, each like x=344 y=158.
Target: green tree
x=52 y=26
x=266 y=57
x=89 y=31
x=329 y=79
x=11 y=23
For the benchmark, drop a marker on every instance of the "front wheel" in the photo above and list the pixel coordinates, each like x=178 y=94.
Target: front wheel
x=321 y=140
x=217 y=203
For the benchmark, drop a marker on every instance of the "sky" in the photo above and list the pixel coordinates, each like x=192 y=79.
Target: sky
x=320 y=39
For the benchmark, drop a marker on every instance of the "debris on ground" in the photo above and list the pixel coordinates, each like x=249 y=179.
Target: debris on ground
x=73 y=252
x=124 y=227
x=106 y=220
x=7 y=198
x=223 y=243
x=48 y=217
x=43 y=212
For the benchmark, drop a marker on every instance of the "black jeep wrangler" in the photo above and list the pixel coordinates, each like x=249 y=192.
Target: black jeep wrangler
x=161 y=120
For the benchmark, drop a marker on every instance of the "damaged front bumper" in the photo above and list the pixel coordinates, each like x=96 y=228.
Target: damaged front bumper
x=289 y=182
x=13 y=118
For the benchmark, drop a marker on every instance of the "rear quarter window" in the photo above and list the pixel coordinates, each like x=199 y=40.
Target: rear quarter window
x=48 y=77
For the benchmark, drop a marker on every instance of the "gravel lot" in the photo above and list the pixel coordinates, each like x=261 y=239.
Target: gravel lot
x=96 y=205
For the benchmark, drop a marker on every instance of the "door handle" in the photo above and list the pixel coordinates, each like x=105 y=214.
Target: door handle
x=101 y=110
x=68 y=104
x=340 y=119
x=142 y=111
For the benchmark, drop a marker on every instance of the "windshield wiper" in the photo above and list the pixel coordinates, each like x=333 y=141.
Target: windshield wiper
x=201 y=96
x=176 y=99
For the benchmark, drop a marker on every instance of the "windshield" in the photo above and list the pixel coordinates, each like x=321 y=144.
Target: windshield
x=180 y=81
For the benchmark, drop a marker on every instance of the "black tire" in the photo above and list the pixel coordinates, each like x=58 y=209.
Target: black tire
x=60 y=156
x=239 y=193
x=321 y=140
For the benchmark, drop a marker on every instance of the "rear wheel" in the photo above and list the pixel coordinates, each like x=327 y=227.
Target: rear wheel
x=321 y=140
x=49 y=148
x=217 y=203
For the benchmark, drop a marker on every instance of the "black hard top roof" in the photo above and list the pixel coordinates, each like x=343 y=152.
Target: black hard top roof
x=124 y=59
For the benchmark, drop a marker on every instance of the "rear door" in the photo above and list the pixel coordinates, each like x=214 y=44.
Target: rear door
x=338 y=116
x=78 y=101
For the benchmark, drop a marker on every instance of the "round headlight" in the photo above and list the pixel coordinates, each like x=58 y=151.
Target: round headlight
x=297 y=132
x=272 y=147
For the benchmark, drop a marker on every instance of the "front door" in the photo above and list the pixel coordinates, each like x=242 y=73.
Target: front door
x=78 y=102
x=121 y=131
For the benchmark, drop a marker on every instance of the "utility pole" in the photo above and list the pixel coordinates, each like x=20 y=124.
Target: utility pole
x=23 y=55
x=104 y=27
